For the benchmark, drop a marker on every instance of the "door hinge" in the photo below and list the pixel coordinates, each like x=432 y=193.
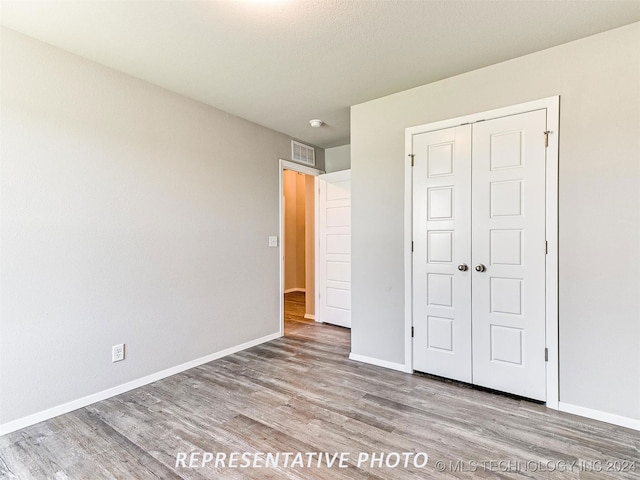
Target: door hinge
x=546 y=354
x=411 y=332
x=412 y=155
x=546 y=247
x=546 y=138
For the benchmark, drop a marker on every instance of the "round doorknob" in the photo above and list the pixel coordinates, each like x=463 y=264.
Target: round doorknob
x=463 y=267
x=480 y=268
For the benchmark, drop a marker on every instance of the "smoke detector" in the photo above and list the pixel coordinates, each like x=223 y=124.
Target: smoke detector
x=316 y=123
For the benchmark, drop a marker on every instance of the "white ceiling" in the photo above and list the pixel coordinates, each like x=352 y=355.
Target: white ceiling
x=280 y=63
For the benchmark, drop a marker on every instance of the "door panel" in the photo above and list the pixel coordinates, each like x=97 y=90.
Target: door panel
x=442 y=241
x=508 y=211
x=334 y=253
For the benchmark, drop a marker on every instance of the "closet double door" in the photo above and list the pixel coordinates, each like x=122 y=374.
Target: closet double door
x=479 y=253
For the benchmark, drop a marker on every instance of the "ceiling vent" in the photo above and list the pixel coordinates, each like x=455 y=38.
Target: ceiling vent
x=303 y=153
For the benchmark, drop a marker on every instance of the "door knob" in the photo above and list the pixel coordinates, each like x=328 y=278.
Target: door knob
x=480 y=268
x=463 y=267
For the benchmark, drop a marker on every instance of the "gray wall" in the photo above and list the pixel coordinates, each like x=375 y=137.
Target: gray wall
x=129 y=215
x=338 y=158
x=598 y=79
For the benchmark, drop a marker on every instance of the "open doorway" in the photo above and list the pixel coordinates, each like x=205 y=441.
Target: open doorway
x=297 y=246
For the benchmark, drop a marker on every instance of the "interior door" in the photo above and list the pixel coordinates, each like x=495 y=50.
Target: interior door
x=479 y=253
x=442 y=253
x=508 y=250
x=334 y=252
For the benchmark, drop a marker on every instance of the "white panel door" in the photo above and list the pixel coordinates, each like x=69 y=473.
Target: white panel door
x=508 y=242
x=479 y=201
x=334 y=252
x=442 y=243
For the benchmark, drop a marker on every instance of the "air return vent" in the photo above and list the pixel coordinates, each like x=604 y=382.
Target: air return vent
x=303 y=153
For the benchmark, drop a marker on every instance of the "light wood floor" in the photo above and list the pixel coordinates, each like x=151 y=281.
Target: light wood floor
x=301 y=393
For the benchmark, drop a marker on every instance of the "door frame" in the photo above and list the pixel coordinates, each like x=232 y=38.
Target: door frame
x=296 y=167
x=552 y=105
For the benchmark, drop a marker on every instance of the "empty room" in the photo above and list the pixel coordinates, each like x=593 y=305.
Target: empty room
x=319 y=239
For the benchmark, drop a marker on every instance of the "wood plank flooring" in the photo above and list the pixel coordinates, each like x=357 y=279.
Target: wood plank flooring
x=301 y=393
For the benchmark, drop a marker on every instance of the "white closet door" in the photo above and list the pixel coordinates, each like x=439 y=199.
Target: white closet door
x=508 y=251
x=334 y=252
x=479 y=200
x=442 y=243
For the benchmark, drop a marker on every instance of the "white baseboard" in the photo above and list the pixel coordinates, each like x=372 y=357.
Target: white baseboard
x=379 y=363
x=308 y=316
x=289 y=290
x=598 y=415
x=125 y=387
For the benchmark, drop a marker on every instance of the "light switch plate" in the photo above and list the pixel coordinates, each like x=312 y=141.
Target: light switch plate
x=273 y=241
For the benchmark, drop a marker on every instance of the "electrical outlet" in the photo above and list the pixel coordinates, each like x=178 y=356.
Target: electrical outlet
x=117 y=353
x=273 y=241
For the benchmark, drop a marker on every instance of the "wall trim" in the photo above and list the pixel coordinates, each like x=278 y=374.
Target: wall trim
x=599 y=415
x=317 y=316
x=309 y=316
x=296 y=289
x=380 y=363
x=49 y=413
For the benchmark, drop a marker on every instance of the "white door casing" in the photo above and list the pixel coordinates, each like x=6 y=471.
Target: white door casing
x=442 y=241
x=513 y=305
x=334 y=248
x=296 y=167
